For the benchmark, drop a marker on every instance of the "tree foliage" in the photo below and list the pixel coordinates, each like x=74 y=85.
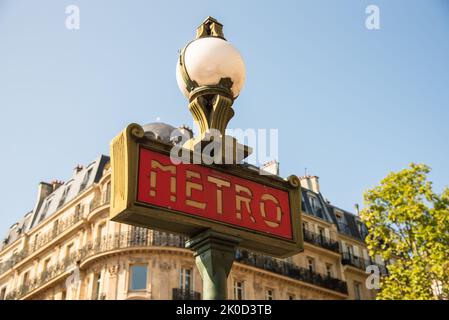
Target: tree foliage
x=408 y=226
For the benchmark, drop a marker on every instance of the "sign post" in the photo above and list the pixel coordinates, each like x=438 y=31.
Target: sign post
x=214 y=256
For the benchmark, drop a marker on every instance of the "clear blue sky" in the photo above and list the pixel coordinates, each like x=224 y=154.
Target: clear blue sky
x=350 y=104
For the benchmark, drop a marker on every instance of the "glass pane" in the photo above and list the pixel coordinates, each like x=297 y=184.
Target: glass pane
x=187 y=279
x=139 y=277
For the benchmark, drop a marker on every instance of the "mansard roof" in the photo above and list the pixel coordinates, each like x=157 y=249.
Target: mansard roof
x=80 y=181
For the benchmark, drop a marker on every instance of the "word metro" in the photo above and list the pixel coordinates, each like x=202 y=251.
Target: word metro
x=211 y=194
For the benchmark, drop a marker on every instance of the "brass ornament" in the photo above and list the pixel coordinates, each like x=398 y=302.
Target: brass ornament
x=294 y=181
x=210 y=28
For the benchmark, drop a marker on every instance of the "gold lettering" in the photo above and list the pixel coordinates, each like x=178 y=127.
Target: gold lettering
x=269 y=197
x=168 y=168
x=193 y=186
x=239 y=199
x=219 y=183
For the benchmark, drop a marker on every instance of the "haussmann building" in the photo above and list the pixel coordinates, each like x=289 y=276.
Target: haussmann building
x=66 y=246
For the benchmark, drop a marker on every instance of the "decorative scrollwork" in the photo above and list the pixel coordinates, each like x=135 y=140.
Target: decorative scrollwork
x=294 y=181
x=136 y=130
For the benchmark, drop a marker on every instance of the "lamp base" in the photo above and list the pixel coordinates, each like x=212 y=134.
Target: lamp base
x=218 y=149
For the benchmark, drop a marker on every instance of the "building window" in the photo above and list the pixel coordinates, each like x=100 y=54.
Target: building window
x=239 y=290
x=291 y=296
x=357 y=290
x=107 y=194
x=78 y=211
x=138 y=277
x=101 y=231
x=329 y=272
x=64 y=196
x=322 y=233
x=305 y=226
x=350 y=250
x=97 y=284
x=45 y=210
x=86 y=179
x=269 y=294
x=26 y=277
x=185 y=279
x=362 y=229
x=69 y=250
x=313 y=204
x=36 y=240
x=46 y=264
x=3 y=293
x=55 y=228
x=311 y=264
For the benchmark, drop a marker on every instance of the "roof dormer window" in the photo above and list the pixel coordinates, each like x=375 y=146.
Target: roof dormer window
x=313 y=203
x=45 y=210
x=86 y=179
x=64 y=196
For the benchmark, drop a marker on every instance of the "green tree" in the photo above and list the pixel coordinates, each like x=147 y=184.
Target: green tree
x=408 y=225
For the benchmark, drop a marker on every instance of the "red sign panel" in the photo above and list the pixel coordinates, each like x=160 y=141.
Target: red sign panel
x=210 y=194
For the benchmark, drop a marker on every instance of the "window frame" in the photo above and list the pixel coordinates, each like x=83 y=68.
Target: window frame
x=309 y=265
x=98 y=277
x=3 y=293
x=130 y=278
x=330 y=270
x=269 y=294
x=240 y=289
x=357 y=290
x=183 y=277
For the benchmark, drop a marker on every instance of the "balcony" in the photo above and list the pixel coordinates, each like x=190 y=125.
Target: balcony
x=360 y=263
x=291 y=270
x=143 y=238
x=40 y=242
x=45 y=276
x=321 y=241
x=131 y=239
x=149 y=238
x=12 y=261
x=184 y=294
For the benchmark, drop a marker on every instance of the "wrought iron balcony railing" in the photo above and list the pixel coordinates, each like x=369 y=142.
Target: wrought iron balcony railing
x=148 y=238
x=184 y=294
x=47 y=237
x=43 y=277
x=142 y=238
x=291 y=270
x=320 y=240
x=360 y=263
x=41 y=241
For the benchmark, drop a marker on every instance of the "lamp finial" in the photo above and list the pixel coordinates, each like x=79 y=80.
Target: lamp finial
x=210 y=28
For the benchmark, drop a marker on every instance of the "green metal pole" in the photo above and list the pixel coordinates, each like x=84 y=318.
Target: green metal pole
x=214 y=255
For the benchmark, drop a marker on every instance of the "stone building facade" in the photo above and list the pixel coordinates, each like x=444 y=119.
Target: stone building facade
x=67 y=248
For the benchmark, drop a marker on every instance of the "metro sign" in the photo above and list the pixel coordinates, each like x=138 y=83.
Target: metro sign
x=149 y=190
x=211 y=194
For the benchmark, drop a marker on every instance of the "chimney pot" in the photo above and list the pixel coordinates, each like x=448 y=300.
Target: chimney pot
x=56 y=184
x=310 y=182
